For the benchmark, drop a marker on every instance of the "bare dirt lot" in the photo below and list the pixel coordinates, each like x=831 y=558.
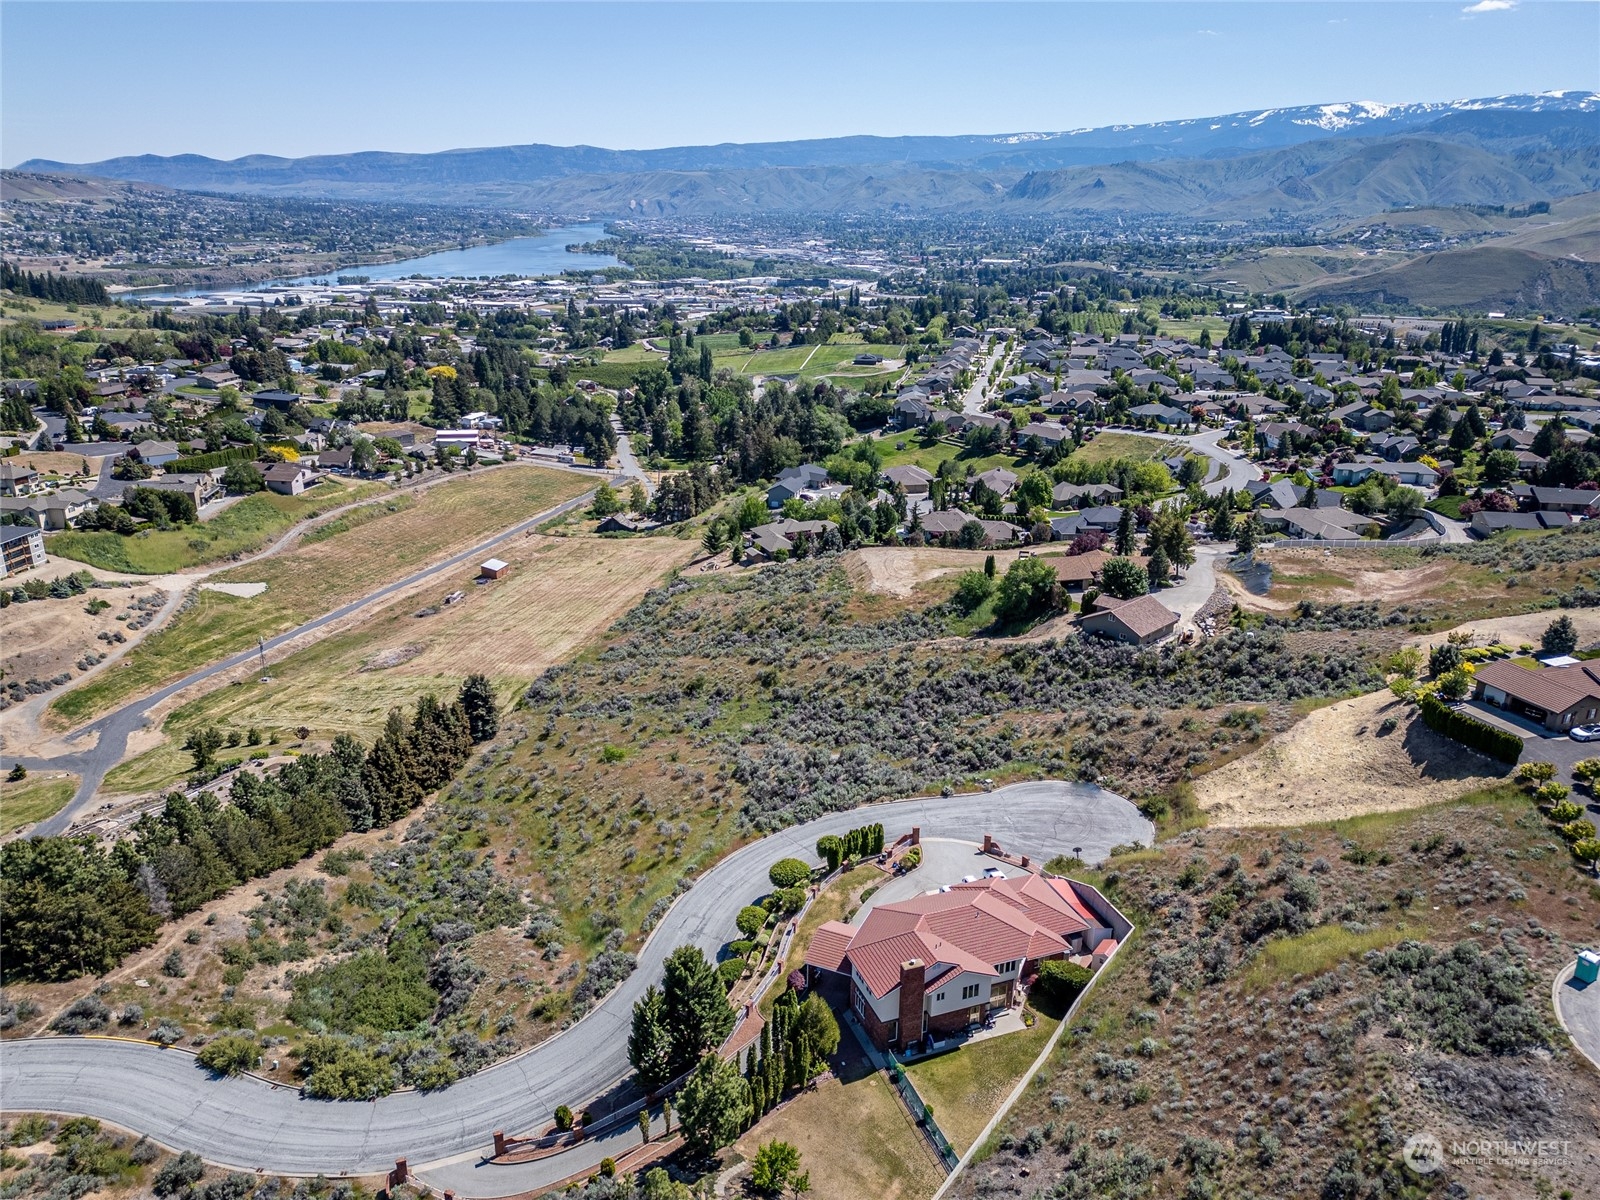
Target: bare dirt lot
x=896 y=571
x=1526 y=628
x=45 y=638
x=1335 y=764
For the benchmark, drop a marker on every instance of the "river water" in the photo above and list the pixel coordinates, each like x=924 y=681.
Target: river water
x=543 y=254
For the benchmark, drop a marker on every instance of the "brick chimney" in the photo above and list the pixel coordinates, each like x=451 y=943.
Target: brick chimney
x=913 y=985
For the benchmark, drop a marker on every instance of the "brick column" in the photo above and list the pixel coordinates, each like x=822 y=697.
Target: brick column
x=913 y=984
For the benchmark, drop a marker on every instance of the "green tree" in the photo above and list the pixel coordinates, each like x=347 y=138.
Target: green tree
x=1500 y=467
x=694 y=1007
x=1027 y=589
x=714 y=541
x=714 y=1105
x=203 y=744
x=1124 y=578
x=775 y=1163
x=606 y=501
x=243 y=479
x=483 y=713
x=972 y=589
x=1158 y=568
x=1125 y=532
x=638 y=501
x=788 y=872
x=1560 y=636
x=752 y=512
x=750 y=920
x=68 y=910
x=1247 y=534
x=649 y=1041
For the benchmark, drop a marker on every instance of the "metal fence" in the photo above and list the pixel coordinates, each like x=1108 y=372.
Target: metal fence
x=923 y=1115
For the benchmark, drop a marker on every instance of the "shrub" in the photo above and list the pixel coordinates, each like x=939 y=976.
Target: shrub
x=788 y=873
x=972 y=589
x=1586 y=850
x=230 y=1055
x=1586 y=770
x=1537 y=772
x=1565 y=811
x=730 y=972
x=1470 y=732
x=787 y=900
x=750 y=920
x=1560 y=636
x=563 y=1116
x=179 y=1173
x=172 y=966
x=1578 y=831
x=1060 y=981
x=82 y=1016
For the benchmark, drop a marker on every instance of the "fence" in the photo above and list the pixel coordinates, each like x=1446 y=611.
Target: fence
x=923 y=1115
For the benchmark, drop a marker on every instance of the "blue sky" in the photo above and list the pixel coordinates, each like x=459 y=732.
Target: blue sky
x=81 y=81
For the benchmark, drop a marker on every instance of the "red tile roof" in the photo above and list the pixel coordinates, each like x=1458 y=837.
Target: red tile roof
x=971 y=927
x=828 y=945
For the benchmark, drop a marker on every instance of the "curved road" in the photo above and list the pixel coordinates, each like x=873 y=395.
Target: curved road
x=92 y=764
x=250 y=1124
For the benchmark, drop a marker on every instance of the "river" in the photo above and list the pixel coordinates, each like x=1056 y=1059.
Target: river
x=543 y=254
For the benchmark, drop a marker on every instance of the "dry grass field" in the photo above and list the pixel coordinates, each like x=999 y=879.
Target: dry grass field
x=560 y=592
x=348 y=558
x=46 y=637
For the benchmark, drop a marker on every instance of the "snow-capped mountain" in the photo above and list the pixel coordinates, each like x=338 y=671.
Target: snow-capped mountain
x=1499 y=124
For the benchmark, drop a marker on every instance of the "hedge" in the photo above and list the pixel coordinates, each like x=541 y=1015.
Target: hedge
x=217 y=458
x=1469 y=731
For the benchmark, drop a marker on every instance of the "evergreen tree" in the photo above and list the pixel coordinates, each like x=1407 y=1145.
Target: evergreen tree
x=1125 y=532
x=478 y=703
x=649 y=1042
x=695 y=1007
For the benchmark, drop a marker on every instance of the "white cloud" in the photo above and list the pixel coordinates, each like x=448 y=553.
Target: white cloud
x=1489 y=6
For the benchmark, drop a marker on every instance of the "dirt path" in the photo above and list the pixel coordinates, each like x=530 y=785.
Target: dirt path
x=1336 y=763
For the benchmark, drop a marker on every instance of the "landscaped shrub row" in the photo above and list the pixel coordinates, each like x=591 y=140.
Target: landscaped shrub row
x=1469 y=731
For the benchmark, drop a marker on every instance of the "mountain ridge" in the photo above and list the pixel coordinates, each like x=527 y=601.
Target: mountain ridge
x=1225 y=135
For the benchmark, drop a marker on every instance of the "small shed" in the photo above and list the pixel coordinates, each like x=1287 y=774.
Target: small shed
x=493 y=569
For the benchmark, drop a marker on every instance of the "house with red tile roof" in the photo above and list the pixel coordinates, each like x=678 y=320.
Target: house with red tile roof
x=937 y=963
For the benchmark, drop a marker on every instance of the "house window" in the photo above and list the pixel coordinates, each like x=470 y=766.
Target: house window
x=969 y=992
x=938 y=996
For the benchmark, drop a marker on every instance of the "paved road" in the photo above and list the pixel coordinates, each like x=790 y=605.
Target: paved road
x=972 y=402
x=630 y=464
x=92 y=763
x=1578 y=1009
x=248 y=1124
x=1189 y=595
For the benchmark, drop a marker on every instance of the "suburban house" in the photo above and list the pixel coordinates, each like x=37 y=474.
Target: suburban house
x=998 y=480
x=272 y=398
x=50 y=510
x=914 y=409
x=937 y=963
x=780 y=536
x=23 y=548
x=913 y=480
x=1162 y=414
x=1051 y=433
x=154 y=454
x=1557 y=697
x=1139 y=621
x=1363 y=416
x=1579 y=501
x=1412 y=474
x=1486 y=523
x=217 y=377
x=289 y=479
x=950 y=522
x=1082 y=494
x=1318 y=524
x=17 y=480
x=795 y=480
x=1104 y=517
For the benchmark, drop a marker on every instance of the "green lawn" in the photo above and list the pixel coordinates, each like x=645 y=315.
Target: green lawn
x=243 y=528
x=1108 y=446
x=31 y=801
x=929 y=457
x=966 y=1087
x=1446 y=506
